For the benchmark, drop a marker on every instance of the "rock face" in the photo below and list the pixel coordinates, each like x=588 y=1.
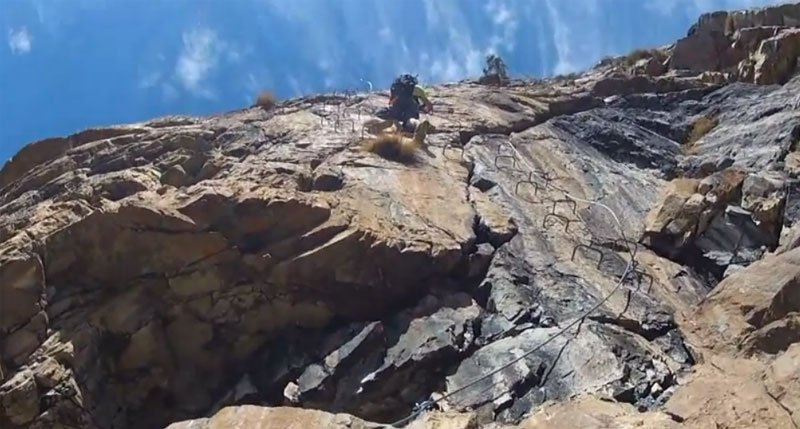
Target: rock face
x=757 y=46
x=562 y=249
x=725 y=220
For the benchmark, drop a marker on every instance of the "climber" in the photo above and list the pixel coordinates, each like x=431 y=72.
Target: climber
x=404 y=106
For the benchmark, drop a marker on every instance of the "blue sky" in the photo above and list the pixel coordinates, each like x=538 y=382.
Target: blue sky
x=70 y=64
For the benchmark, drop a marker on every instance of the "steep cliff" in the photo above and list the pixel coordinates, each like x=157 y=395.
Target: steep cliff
x=614 y=249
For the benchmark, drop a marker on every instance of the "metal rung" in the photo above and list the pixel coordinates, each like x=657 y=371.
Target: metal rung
x=626 y=243
x=510 y=152
x=588 y=247
x=521 y=182
x=351 y=122
x=547 y=178
x=565 y=200
x=640 y=275
x=563 y=219
x=512 y=158
x=647 y=276
x=453 y=146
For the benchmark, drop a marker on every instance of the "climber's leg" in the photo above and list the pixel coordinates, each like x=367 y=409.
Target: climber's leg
x=377 y=126
x=421 y=132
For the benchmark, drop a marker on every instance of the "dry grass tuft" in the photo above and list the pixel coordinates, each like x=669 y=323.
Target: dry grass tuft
x=393 y=147
x=639 y=54
x=700 y=128
x=266 y=100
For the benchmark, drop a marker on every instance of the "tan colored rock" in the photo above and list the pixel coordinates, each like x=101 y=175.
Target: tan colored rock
x=147 y=348
x=779 y=15
x=40 y=152
x=32 y=155
x=713 y=77
x=776 y=57
x=750 y=299
x=782 y=381
x=175 y=176
x=689 y=207
x=749 y=38
x=439 y=420
x=675 y=196
x=128 y=311
x=122 y=184
x=49 y=373
x=197 y=282
x=775 y=336
x=764 y=196
x=700 y=51
x=790 y=239
x=187 y=337
x=498 y=226
x=19 y=399
x=590 y=412
x=19 y=344
x=254 y=417
x=274 y=226
x=21 y=288
x=652 y=66
x=793 y=163
x=127 y=242
x=727 y=393
x=725 y=184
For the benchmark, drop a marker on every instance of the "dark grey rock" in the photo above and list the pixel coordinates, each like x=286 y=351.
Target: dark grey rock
x=757 y=127
x=423 y=346
x=327 y=179
x=733 y=237
x=614 y=134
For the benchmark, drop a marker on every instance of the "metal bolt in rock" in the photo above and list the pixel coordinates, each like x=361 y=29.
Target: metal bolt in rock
x=535 y=190
x=642 y=274
x=453 y=146
x=563 y=220
x=506 y=145
x=626 y=244
x=511 y=157
x=588 y=248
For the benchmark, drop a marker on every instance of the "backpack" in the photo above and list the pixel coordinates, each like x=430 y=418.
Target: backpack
x=403 y=87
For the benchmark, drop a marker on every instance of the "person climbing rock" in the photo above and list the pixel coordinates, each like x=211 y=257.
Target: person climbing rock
x=406 y=98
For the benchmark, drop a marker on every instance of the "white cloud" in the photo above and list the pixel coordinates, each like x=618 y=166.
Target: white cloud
x=19 y=41
x=149 y=80
x=505 y=23
x=169 y=92
x=385 y=34
x=199 y=56
x=561 y=40
x=499 y=12
x=298 y=88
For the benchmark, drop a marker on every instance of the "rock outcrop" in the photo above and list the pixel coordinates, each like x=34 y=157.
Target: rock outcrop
x=756 y=46
x=565 y=252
